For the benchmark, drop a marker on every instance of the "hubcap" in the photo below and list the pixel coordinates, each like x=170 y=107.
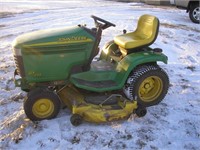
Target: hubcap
x=43 y=108
x=150 y=89
x=196 y=13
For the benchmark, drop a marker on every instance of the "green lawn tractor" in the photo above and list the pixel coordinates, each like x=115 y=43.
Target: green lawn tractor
x=56 y=67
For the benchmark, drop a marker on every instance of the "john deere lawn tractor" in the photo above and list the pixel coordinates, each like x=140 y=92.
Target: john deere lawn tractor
x=56 y=67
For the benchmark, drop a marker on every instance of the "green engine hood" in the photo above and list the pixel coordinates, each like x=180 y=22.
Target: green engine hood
x=53 y=37
x=53 y=54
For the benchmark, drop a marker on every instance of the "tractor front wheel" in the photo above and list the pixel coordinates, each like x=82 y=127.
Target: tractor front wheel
x=41 y=104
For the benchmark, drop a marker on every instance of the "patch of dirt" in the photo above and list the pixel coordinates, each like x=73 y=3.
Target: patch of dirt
x=6 y=14
x=190 y=127
x=75 y=140
x=15 y=126
x=18 y=97
x=179 y=26
x=2 y=25
x=192 y=68
x=12 y=14
x=7 y=36
x=184 y=83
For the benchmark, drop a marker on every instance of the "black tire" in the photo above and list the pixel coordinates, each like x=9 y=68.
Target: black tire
x=148 y=84
x=76 y=120
x=194 y=13
x=141 y=111
x=41 y=104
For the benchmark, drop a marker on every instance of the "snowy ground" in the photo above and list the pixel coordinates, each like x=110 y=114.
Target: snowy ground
x=173 y=124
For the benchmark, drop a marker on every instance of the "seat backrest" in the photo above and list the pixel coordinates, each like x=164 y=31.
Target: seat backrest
x=147 y=28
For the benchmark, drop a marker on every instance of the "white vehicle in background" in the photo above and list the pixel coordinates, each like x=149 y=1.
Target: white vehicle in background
x=191 y=6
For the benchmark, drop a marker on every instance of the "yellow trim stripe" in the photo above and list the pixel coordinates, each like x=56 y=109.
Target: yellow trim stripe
x=58 y=43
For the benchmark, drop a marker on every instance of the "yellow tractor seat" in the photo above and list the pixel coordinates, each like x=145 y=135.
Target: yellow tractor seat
x=144 y=35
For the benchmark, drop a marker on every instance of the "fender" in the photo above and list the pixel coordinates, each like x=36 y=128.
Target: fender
x=128 y=63
x=190 y=3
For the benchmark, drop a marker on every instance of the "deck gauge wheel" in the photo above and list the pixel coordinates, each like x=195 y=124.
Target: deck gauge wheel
x=76 y=120
x=141 y=111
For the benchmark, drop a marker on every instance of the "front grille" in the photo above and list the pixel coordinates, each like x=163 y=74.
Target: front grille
x=19 y=65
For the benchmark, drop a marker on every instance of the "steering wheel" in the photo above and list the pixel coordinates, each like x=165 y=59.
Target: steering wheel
x=98 y=22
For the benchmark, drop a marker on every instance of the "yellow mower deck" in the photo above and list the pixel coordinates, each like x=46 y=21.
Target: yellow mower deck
x=96 y=113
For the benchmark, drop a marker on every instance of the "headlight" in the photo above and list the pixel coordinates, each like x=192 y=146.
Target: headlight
x=17 y=52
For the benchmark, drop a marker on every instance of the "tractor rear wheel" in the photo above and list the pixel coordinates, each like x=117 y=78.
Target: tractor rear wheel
x=148 y=84
x=41 y=104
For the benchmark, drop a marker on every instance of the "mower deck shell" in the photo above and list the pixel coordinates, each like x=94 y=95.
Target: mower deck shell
x=96 y=113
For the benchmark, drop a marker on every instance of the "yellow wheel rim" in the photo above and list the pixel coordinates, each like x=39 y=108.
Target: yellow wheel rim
x=43 y=108
x=150 y=89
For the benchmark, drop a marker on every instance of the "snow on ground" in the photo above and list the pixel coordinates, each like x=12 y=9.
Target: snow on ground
x=173 y=124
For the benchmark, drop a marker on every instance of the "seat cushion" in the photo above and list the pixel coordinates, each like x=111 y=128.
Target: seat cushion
x=131 y=40
x=144 y=35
